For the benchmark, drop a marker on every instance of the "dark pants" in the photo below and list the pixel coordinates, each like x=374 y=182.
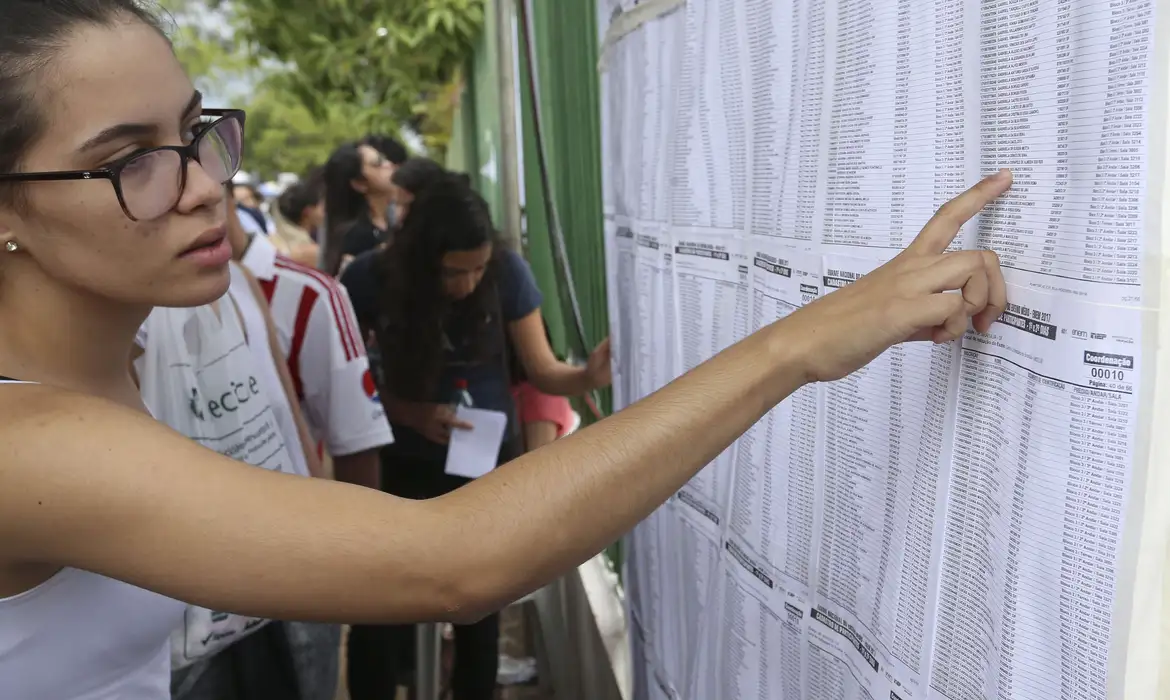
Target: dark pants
x=376 y=652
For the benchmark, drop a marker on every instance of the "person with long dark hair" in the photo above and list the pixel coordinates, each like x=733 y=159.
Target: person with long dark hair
x=446 y=302
x=112 y=203
x=358 y=194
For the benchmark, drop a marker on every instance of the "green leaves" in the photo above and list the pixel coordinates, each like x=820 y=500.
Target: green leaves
x=283 y=136
x=387 y=54
x=324 y=71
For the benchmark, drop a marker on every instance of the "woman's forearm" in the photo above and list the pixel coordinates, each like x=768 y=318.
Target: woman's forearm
x=562 y=379
x=540 y=515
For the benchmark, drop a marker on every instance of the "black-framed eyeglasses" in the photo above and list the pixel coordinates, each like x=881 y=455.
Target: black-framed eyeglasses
x=149 y=183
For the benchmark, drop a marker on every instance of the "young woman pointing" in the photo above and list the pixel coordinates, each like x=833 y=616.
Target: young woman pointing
x=112 y=173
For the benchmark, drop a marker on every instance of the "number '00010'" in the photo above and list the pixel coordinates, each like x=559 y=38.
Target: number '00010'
x=1106 y=373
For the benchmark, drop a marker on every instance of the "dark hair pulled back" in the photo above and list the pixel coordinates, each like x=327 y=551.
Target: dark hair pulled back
x=32 y=34
x=344 y=206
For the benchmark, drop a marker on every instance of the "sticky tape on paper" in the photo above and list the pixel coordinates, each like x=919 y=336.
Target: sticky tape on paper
x=628 y=21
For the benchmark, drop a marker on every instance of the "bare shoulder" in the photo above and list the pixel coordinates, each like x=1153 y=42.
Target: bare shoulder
x=36 y=412
x=51 y=434
x=89 y=484
x=75 y=463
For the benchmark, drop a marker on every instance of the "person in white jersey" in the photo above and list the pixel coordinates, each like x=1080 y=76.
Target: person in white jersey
x=262 y=341
x=319 y=337
x=111 y=203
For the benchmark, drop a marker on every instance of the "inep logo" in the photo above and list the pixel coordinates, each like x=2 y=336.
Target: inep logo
x=369 y=387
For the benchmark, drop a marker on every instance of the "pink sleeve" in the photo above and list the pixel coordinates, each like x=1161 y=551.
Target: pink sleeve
x=534 y=407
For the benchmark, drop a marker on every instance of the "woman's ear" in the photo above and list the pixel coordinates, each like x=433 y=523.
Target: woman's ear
x=359 y=185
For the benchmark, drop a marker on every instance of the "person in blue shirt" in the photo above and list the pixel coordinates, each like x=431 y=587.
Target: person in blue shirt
x=447 y=304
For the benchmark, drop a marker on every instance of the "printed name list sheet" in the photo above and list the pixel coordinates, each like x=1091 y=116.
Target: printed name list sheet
x=621 y=266
x=886 y=470
x=709 y=170
x=763 y=588
x=770 y=524
x=711 y=274
x=1064 y=102
x=1047 y=410
x=654 y=282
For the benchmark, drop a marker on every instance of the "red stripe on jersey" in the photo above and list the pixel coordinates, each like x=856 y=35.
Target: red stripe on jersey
x=355 y=330
x=346 y=326
x=304 y=310
x=268 y=287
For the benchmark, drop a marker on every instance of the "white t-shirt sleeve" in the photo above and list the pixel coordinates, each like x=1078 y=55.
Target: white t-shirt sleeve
x=340 y=397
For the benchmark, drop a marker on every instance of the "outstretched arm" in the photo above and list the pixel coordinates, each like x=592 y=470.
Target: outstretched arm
x=126 y=497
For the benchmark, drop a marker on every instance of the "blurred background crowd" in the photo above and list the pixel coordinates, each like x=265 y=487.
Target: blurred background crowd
x=358 y=223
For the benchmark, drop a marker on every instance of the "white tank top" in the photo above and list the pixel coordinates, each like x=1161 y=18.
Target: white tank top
x=81 y=636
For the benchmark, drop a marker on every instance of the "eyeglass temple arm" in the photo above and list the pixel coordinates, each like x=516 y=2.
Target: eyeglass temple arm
x=56 y=176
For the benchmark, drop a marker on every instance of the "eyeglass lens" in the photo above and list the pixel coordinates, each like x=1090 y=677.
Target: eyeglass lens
x=152 y=183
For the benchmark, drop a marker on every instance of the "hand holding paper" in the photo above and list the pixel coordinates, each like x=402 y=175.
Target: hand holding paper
x=473 y=452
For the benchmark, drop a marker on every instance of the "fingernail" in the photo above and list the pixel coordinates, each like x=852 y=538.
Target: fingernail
x=1003 y=174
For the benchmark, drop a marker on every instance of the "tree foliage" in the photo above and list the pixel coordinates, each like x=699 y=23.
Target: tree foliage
x=206 y=46
x=393 y=60
x=315 y=73
x=284 y=136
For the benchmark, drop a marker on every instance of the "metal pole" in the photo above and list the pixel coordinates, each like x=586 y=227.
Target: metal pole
x=509 y=139
x=429 y=643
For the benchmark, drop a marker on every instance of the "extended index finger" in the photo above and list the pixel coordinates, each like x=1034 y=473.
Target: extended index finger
x=946 y=222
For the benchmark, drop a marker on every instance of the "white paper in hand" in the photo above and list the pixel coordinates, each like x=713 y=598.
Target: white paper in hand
x=473 y=453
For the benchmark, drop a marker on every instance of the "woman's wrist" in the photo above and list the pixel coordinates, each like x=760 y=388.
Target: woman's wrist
x=587 y=381
x=791 y=352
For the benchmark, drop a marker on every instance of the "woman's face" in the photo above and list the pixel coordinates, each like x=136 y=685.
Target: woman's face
x=463 y=270
x=110 y=92
x=376 y=172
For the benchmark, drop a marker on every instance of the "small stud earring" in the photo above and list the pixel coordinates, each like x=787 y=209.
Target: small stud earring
x=11 y=246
